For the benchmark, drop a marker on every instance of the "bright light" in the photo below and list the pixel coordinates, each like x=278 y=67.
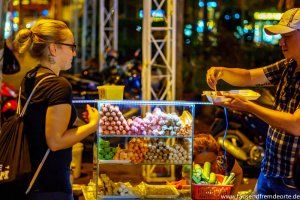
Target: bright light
x=16 y=20
x=210 y=4
x=157 y=15
x=187 y=41
x=188 y=32
x=227 y=17
x=15 y=27
x=138 y=28
x=200 y=26
x=267 y=16
x=236 y=15
x=189 y=26
x=45 y=12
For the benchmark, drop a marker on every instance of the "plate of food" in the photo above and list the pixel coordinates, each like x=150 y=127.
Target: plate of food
x=218 y=96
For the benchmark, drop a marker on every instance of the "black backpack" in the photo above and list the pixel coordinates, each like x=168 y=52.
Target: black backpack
x=14 y=151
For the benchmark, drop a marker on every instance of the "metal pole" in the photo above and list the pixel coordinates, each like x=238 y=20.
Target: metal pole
x=84 y=34
x=146 y=70
x=101 y=34
x=174 y=43
x=116 y=20
x=94 y=26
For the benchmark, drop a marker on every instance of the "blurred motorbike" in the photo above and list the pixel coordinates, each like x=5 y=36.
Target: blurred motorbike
x=129 y=74
x=9 y=95
x=9 y=102
x=245 y=135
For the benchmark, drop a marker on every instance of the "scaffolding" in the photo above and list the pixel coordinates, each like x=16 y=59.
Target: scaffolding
x=89 y=28
x=108 y=27
x=159 y=62
x=97 y=31
x=159 y=50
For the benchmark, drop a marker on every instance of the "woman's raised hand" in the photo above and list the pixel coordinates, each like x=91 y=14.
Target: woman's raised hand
x=91 y=115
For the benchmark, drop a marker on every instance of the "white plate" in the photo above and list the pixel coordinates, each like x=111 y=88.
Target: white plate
x=115 y=161
x=212 y=96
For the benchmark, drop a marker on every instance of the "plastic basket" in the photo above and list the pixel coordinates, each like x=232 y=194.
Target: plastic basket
x=209 y=191
x=111 y=92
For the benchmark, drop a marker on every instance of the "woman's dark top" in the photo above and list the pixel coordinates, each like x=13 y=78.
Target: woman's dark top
x=55 y=174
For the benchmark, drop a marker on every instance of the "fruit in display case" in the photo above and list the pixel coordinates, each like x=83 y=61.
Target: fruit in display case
x=143 y=142
x=121 y=154
x=161 y=152
x=137 y=149
x=112 y=121
x=110 y=188
x=147 y=150
x=105 y=151
x=156 y=123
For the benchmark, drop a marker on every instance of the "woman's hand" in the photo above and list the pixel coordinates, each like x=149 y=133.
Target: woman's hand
x=92 y=115
x=213 y=75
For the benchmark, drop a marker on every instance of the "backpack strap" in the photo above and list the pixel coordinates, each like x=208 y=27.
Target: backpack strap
x=21 y=115
x=28 y=99
x=37 y=171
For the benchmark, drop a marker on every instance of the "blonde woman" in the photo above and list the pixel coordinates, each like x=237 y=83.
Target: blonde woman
x=50 y=117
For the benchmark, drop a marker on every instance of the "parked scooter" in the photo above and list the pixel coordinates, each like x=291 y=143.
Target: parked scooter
x=245 y=136
x=9 y=102
x=129 y=74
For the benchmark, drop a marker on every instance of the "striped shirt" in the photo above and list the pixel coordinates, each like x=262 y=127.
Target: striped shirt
x=281 y=146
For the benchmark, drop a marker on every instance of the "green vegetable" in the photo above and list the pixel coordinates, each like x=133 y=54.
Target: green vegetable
x=107 y=150
x=195 y=179
x=224 y=180
x=212 y=178
x=186 y=168
x=113 y=149
x=101 y=142
x=206 y=169
x=232 y=181
x=111 y=154
x=197 y=166
x=107 y=157
x=229 y=179
x=106 y=143
x=101 y=150
x=203 y=177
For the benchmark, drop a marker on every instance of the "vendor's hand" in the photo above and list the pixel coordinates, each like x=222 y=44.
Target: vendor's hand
x=91 y=115
x=237 y=102
x=212 y=76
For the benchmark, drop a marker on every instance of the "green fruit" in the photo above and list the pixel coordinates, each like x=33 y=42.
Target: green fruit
x=113 y=149
x=107 y=150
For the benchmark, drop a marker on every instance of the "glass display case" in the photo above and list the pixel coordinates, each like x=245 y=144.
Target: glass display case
x=143 y=149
